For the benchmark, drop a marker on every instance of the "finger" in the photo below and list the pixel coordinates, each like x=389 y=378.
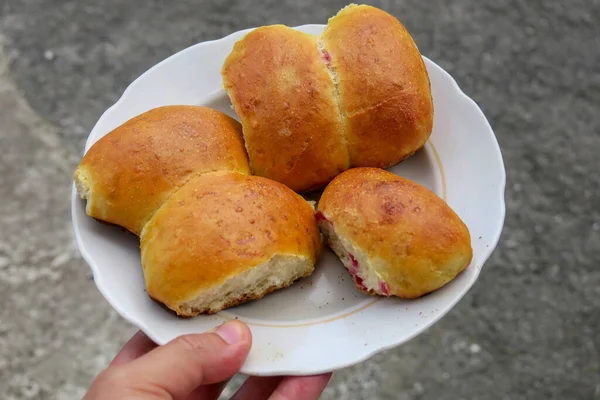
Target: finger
x=256 y=387
x=136 y=347
x=184 y=364
x=208 y=392
x=301 y=387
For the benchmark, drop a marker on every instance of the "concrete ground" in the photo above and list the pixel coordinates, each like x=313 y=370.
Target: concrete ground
x=530 y=327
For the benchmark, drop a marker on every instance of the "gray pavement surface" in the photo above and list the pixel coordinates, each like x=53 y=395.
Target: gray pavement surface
x=529 y=329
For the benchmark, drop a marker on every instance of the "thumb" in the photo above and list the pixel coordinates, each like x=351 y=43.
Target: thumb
x=190 y=361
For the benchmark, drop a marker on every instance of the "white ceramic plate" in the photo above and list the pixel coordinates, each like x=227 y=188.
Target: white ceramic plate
x=321 y=323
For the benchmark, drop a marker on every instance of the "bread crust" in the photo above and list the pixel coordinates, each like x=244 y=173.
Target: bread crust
x=281 y=89
x=412 y=238
x=132 y=170
x=384 y=88
x=216 y=227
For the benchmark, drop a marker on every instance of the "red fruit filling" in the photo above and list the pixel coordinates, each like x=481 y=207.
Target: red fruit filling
x=384 y=288
x=354 y=272
x=326 y=57
x=354 y=262
x=320 y=217
x=359 y=282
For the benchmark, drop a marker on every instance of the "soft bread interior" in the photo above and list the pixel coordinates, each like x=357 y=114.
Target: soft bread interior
x=279 y=272
x=355 y=260
x=83 y=187
x=330 y=68
x=336 y=85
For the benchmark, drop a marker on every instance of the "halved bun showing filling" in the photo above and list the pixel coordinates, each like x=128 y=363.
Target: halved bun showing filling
x=224 y=239
x=395 y=237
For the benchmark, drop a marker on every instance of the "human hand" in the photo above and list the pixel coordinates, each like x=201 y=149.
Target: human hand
x=195 y=367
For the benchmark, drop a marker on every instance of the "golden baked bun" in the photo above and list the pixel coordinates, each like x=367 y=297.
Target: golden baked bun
x=131 y=171
x=226 y=238
x=286 y=101
x=384 y=89
x=394 y=236
x=311 y=107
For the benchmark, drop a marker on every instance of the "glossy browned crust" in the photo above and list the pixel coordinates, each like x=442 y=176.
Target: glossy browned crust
x=413 y=239
x=384 y=89
x=133 y=169
x=219 y=225
x=285 y=98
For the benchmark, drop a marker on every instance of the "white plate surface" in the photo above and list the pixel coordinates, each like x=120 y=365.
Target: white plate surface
x=321 y=323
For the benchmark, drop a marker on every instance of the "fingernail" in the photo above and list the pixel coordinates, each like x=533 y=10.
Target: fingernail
x=230 y=332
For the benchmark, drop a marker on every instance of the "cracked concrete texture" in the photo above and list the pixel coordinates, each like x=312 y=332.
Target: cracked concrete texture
x=527 y=330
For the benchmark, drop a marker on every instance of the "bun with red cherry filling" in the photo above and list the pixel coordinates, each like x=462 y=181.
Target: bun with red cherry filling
x=395 y=237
